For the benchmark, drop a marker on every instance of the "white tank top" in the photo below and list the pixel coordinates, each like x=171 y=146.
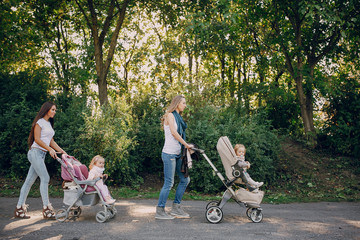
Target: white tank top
x=171 y=145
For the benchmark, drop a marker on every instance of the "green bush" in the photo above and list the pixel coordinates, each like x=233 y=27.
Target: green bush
x=149 y=135
x=283 y=111
x=21 y=96
x=341 y=132
x=106 y=131
x=207 y=124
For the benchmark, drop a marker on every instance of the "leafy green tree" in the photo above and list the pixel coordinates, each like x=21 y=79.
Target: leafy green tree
x=19 y=41
x=306 y=32
x=104 y=21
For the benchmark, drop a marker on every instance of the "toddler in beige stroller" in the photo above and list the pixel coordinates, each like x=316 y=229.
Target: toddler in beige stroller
x=251 y=198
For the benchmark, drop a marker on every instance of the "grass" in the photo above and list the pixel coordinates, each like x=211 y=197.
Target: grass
x=12 y=188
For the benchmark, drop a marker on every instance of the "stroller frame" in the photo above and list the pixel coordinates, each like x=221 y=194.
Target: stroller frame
x=214 y=213
x=78 y=197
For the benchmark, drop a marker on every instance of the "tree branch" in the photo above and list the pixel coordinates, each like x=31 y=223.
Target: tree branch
x=116 y=34
x=107 y=22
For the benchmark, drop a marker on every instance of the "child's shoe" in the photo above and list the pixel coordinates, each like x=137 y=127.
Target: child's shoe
x=110 y=200
x=259 y=184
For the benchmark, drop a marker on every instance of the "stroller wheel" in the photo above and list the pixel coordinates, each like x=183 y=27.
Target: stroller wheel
x=256 y=215
x=112 y=212
x=101 y=217
x=61 y=215
x=214 y=214
x=212 y=204
x=76 y=211
x=248 y=212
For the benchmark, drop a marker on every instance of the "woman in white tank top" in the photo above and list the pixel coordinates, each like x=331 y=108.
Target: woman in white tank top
x=174 y=129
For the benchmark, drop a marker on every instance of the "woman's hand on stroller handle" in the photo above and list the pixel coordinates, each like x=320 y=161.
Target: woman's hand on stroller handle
x=197 y=150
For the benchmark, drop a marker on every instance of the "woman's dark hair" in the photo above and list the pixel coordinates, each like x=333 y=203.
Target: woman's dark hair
x=43 y=111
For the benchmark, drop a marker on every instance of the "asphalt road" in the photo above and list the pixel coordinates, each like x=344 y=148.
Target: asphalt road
x=135 y=220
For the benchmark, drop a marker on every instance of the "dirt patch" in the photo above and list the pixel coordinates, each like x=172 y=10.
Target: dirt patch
x=152 y=182
x=317 y=173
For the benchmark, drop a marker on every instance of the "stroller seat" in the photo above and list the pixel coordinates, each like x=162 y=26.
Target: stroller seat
x=78 y=170
x=228 y=159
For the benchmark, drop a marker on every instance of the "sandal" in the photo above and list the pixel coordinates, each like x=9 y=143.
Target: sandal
x=21 y=212
x=48 y=212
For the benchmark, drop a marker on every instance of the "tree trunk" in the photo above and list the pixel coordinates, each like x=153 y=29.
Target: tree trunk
x=239 y=95
x=103 y=66
x=190 y=62
x=306 y=107
x=232 y=79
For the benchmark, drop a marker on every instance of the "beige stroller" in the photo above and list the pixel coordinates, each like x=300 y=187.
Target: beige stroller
x=251 y=200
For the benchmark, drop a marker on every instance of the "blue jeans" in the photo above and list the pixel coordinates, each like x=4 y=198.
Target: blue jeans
x=172 y=163
x=37 y=169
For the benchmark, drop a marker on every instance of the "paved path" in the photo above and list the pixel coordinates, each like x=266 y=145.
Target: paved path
x=135 y=220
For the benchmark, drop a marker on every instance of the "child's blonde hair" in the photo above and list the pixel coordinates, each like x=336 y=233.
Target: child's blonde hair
x=94 y=160
x=239 y=147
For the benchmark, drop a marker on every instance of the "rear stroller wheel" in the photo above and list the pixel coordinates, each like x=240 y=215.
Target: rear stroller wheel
x=212 y=204
x=112 y=212
x=61 y=215
x=256 y=215
x=76 y=211
x=214 y=214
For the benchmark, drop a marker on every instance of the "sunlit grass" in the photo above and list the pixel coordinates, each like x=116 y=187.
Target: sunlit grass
x=278 y=195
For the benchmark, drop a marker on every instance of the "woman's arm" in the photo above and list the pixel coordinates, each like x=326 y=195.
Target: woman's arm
x=170 y=120
x=54 y=145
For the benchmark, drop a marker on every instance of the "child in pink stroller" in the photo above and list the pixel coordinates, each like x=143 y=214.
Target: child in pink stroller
x=80 y=192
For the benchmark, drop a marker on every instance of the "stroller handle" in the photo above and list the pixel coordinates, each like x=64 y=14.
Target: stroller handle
x=198 y=150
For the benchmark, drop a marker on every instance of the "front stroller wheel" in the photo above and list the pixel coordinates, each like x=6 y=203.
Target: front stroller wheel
x=248 y=212
x=214 y=214
x=101 y=217
x=212 y=204
x=61 y=215
x=256 y=215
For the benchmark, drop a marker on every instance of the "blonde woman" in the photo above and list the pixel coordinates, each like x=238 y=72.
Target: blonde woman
x=174 y=129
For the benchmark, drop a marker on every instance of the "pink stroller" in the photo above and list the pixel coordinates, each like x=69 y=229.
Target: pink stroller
x=80 y=192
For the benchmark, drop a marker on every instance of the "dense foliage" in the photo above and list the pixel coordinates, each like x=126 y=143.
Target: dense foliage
x=250 y=70
x=342 y=128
